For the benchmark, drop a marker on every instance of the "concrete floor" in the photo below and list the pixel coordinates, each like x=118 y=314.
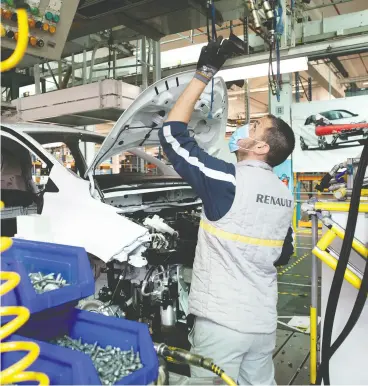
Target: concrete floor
x=291 y=356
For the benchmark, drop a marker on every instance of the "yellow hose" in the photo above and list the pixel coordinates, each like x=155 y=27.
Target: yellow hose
x=22 y=43
x=15 y=373
x=229 y=381
x=218 y=371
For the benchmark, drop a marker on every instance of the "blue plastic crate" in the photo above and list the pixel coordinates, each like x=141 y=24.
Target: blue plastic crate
x=63 y=366
x=105 y=330
x=27 y=256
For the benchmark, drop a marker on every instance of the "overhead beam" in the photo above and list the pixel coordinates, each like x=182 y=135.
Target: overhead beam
x=320 y=50
x=343 y=46
x=363 y=78
x=326 y=79
x=340 y=67
x=82 y=27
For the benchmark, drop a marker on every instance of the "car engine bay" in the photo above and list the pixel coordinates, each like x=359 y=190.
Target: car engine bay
x=155 y=293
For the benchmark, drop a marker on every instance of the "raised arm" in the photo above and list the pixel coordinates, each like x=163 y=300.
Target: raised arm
x=211 y=178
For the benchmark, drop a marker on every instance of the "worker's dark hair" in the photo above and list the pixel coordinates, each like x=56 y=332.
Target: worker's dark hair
x=280 y=137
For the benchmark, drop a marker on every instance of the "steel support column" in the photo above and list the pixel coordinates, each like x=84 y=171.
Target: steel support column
x=297 y=93
x=156 y=61
x=37 y=78
x=246 y=100
x=282 y=109
x=73 y=71
x=84 y=68
x=88 y=148
x=310 y=94
x=144 y=67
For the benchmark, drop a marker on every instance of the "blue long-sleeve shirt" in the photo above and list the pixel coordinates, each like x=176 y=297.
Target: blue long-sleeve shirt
x=214 y=180
x=211 y=178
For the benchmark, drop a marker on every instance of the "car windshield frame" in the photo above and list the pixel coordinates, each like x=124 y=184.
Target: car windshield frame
x=73 y=141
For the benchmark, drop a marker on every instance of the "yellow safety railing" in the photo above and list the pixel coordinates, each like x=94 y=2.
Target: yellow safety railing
x=339 y=206
x=323 y=251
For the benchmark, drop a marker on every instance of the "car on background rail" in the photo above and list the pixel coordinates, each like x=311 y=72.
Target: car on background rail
x=332 y=128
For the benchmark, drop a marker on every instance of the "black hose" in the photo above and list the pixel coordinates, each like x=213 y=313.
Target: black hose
x=119 y=283
x=335 y=290
x=149 y=273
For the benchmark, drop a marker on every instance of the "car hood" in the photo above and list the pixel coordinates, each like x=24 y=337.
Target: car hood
x=150 y=109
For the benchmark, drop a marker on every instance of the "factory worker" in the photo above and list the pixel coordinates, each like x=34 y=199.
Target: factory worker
x=244 y=233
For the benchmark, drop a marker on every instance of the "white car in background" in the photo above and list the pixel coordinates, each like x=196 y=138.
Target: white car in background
x=309 y=139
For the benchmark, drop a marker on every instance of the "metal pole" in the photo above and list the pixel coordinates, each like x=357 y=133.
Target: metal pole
x=329 y=82
x=246 y=101
x=144 y=63
x=114 y=64
x=297 y=94
x=84 y=68
x=310 y=89
x=73 y=69
x=53 y=75
x=60 y=72
x=156 y=61
x=314 y=305
x=37 y=78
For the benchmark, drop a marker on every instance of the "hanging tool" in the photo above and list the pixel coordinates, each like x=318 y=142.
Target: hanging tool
x=180 y=356
x=274 y=34
x=272 y=22
x=214 y=38
x=256 y=18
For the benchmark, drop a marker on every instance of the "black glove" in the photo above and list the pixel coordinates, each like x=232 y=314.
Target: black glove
x=212 y=57
x=287 y=250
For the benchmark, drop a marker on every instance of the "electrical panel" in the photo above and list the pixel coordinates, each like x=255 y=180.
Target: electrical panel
x=49 y=22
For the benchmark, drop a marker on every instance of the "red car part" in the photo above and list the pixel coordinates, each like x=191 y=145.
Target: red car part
x=336 y=129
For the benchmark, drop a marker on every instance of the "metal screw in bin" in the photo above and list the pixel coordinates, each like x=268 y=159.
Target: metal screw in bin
x=111 y=362
x=44 y=283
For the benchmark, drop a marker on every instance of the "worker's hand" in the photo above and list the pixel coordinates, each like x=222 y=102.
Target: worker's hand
x=212 y=57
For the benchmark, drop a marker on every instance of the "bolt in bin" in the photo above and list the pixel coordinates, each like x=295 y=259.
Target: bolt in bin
x=105 y=330
x=27 y=256
x=62 y=365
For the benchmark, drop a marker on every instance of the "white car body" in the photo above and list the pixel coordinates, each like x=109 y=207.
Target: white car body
x=76 y=215
x=335 y=117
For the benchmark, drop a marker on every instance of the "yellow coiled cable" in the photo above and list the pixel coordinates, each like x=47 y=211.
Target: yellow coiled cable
x=22 y=42
x=15 y=373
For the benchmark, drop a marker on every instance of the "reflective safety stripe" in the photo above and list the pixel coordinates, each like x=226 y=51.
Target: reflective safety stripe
x=235 y=237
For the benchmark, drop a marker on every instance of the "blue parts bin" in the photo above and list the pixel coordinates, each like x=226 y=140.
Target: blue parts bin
x=53 y=315
x=105 y=330
x=32 y=256
x=63 y=366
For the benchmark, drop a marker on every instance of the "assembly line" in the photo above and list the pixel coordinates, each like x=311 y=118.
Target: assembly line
x=184 y=192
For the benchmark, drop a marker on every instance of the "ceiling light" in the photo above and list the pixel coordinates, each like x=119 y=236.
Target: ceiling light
x=365 y=84
x=258 y=70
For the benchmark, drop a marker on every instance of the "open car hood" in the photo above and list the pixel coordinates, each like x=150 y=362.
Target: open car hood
x=151 y=109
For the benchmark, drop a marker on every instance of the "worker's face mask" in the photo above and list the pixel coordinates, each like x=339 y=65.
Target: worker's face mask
x=240 y=133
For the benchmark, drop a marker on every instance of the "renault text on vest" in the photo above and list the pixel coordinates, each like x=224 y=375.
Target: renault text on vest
x=271 y=200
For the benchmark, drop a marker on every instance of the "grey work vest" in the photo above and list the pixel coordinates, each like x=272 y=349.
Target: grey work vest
x=234 y=281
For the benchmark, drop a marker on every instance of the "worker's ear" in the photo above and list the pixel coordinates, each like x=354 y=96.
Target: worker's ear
x=261 y=148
